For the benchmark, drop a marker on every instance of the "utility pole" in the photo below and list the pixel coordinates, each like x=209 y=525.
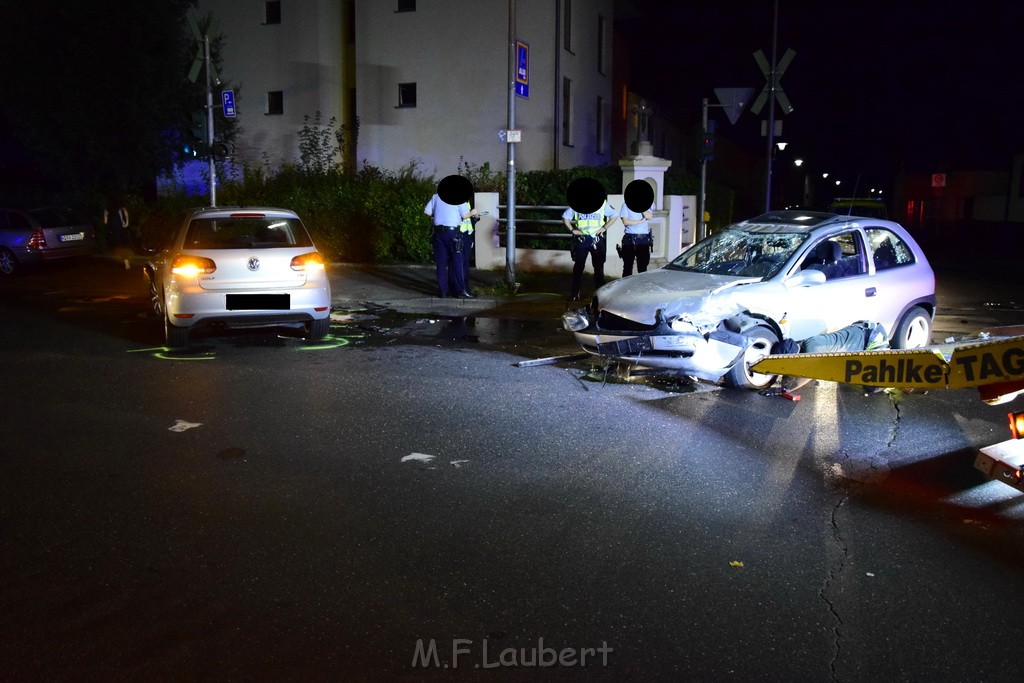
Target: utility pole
x=772 y=83
x=209 y=122
x=201 y=61
x=510 y=174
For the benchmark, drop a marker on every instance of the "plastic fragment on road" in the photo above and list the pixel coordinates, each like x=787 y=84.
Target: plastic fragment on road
x=182 y=425
x=458 y=463
x=550 y=360
x=735 y=563
x=419 y=457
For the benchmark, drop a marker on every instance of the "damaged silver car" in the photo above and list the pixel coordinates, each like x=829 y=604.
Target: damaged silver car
x=721 y=304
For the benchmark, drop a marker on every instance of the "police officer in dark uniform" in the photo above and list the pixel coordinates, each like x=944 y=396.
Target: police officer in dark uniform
x=637 y=240
x=587 y=218
x=448 y=208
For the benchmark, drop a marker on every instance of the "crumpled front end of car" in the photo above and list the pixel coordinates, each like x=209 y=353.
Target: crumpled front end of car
x=698 y=345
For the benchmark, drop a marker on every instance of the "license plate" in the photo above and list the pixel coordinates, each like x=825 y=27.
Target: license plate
x=259 y=302
x=73 y=237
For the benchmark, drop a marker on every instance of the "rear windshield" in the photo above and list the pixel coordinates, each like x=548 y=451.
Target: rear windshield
x=54 y=218
x=246 y=233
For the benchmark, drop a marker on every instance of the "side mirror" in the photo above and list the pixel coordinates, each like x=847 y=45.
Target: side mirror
x=806 y=278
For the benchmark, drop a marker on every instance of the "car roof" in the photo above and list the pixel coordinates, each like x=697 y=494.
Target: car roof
x=240 y=211
x=805 y=222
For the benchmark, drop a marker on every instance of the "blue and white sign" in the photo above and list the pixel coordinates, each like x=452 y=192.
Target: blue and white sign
x=228 y=96
x=522 y=69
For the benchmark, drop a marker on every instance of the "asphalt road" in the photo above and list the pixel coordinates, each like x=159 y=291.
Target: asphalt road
x=403 y=502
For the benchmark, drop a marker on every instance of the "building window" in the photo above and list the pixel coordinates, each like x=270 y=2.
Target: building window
x=567 y=24
x=566 y=112
x=406 y=94
x=599 y=118
x=272 y=12
x=275 y=102
x=406 y=6
x=602 y=27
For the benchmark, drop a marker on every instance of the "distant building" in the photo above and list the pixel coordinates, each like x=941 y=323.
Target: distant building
x=428 y=81
x=942 y=198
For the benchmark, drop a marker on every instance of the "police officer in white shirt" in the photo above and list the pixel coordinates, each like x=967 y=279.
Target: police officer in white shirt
x=637 y=240
x=448 y=208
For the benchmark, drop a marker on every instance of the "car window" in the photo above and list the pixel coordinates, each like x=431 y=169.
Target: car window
x=888 y=249
x=838 y=256
x=740 y=252
x=19 y=222
x=245 y=233
x=54 y=218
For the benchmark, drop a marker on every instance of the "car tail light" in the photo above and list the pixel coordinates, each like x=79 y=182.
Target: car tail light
x=309 y=262
x=37 y=240
x=192 y=266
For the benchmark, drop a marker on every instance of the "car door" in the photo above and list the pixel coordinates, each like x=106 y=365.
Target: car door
x=846 y=296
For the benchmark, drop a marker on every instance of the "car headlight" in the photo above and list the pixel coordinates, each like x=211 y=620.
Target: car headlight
x=574 y=321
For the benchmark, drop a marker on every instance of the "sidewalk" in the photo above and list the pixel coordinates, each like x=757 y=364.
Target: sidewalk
x=413 y=289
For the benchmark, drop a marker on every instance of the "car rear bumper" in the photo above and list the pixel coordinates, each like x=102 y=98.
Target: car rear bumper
x=48 y=255
x=193 y=306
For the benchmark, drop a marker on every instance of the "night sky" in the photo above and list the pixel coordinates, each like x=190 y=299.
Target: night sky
x=932 y=86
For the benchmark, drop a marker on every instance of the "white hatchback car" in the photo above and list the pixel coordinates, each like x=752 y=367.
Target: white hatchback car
x=240 y=267
x=721 y=304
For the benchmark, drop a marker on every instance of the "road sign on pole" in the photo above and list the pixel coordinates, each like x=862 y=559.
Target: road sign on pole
x=733 y=100
x=228 y=98
x=523 y=69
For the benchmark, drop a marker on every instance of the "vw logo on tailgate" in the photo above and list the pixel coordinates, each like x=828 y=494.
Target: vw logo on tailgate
x=253 y=263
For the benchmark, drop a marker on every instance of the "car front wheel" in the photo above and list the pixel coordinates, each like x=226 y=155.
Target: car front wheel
x=156 y=298
x=760 y=342
x=914 y=330
x=8 y=264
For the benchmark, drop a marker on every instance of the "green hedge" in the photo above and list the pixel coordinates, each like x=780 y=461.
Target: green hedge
x=373 y=215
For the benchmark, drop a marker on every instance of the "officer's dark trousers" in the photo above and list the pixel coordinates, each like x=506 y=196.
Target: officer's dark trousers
x=631 y=252
x=581 y=248
x=448 y=260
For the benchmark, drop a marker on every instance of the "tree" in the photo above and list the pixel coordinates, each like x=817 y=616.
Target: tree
x=92 y=91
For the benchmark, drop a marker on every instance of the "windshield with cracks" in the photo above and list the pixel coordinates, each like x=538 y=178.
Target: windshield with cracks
x=740 y=252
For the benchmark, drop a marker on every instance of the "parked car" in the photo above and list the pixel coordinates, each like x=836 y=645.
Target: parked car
x=239 y=267
x=852 y=206
x=721 y=304
x=38 y=235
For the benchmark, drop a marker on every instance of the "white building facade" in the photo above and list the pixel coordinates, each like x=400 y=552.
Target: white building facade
x=427 y=80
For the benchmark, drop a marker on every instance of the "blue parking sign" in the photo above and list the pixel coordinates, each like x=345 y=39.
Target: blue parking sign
x=228 y=96
x=522 y=69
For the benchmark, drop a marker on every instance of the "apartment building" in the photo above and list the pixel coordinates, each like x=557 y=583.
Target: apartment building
x=427 y=81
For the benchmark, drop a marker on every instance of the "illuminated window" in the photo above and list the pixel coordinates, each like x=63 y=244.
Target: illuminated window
x=275 y=102
x=272 y=12
x=406 y=94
